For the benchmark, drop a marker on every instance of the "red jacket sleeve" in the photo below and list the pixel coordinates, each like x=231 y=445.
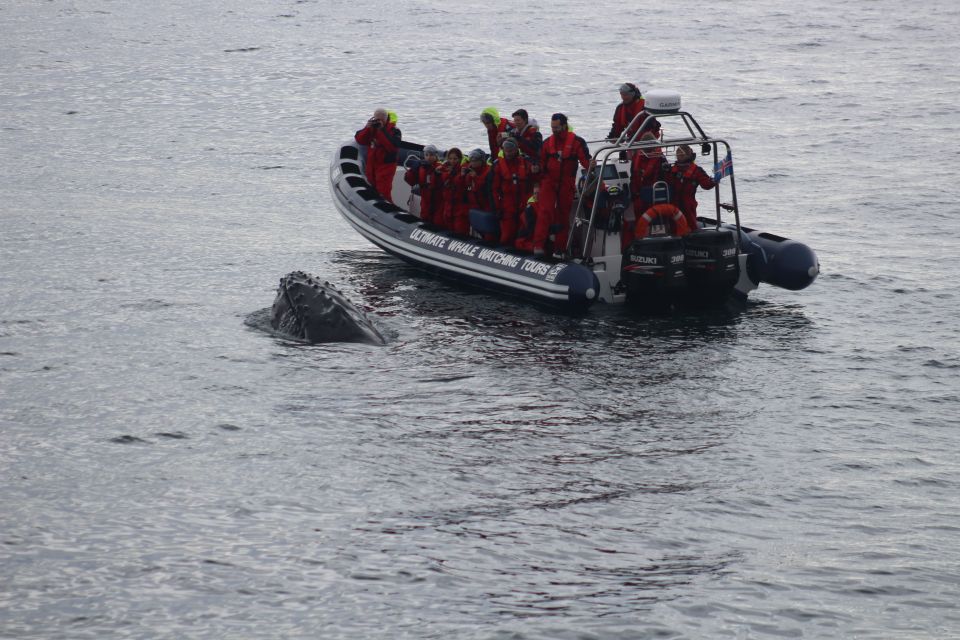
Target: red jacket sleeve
x=364 y=136
x=653 y=169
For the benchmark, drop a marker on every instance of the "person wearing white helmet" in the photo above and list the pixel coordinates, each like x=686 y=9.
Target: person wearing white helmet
x=631 y=104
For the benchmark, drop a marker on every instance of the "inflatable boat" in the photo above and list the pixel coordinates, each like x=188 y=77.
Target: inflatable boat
x=717 y=260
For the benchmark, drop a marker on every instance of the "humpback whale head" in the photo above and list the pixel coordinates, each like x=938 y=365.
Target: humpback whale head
x=310 y=309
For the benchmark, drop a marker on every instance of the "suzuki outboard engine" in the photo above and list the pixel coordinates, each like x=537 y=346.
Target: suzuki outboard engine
x=653 y=270
x=711 y=264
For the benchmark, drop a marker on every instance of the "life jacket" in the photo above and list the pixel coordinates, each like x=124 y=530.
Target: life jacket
x=424 y=175
x=516 y=179
x=474 y=186
x=506 y=173
x=684 y=174
x=385 y=153
x=625 y=113
x=667 y=212
x=528 y=138
x=563 y=155
x=450 y=182
x=647 y=164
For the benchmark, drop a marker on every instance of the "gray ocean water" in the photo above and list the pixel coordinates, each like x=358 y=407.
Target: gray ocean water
x=169 y=469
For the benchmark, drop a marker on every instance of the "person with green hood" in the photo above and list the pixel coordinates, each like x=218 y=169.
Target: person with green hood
x=495 y=125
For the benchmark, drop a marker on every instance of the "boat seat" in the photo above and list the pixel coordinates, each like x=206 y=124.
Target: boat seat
x=659 y=192
x=350 y=167
x=485 y=222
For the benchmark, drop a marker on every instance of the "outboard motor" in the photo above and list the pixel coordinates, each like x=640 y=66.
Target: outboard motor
x=653 y=269
x=711 y=264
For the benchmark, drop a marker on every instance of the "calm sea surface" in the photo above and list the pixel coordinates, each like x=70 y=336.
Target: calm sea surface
x=170 y=469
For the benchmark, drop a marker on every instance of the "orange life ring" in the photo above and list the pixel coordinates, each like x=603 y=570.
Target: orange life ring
x=668 y=212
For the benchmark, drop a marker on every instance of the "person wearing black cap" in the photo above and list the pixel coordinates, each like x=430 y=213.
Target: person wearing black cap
x=559 y=157
x=631 y=103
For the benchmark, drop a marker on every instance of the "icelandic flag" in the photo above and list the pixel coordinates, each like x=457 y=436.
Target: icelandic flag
x=722 y=168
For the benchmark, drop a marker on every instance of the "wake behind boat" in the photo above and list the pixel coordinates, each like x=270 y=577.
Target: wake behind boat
x=666 y=263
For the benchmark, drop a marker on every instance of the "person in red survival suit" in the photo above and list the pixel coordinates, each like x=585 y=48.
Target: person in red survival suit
x=382 y=139
x=456 y=209
x=647 y=167
x=684 y=177
x=559 y=157
x=476 y=181
x=495 y=126
x=525 y=132
x=424 y=175
x=631 y=103
x=513 y=178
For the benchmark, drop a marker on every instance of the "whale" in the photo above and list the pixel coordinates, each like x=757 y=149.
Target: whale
x=312 y=310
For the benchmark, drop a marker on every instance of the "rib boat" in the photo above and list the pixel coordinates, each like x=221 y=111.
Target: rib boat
x=719 y=260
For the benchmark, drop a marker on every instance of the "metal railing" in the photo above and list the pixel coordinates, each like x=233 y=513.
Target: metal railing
x=623 y=144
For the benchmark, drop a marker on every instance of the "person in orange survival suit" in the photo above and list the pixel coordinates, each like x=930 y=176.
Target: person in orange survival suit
x=525 y=132
x=513 y=178
x=424 y=175
x=456 y=209
x=631 y=103
x=382 y=139
x=559 y=156
x=648 y=166
x=476 y=181
x=684 y=177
